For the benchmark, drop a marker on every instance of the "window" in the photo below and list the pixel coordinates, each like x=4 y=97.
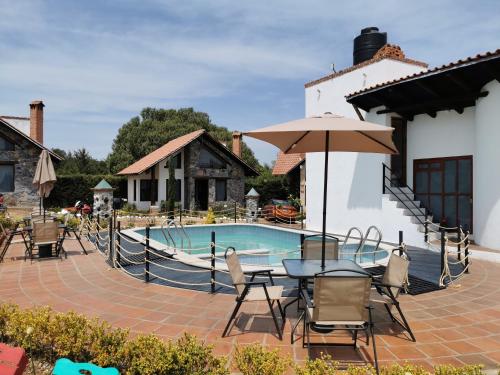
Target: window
x=177 y=159
x=6 y=145
x=208 y=159
x=220 y=190
x=177 y=190
x=135 y=190
x=146 y=190
x=6 y=178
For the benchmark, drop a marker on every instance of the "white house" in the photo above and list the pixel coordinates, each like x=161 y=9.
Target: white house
x=445 y=122
x=206 y=173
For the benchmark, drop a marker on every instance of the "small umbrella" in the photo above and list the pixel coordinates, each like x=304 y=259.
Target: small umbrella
x=327 y=133
x=45 y=176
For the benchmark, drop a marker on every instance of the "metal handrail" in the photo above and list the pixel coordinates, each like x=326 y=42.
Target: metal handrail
x=421 y=210
x=168 y=232
x=347 y=237
x=186 y=235
x=365 y=238
x=406 y=186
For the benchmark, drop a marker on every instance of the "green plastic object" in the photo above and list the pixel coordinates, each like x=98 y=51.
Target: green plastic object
x=66 y=367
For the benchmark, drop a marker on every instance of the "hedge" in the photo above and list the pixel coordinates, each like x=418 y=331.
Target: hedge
x=48 y=335
x=71 y=188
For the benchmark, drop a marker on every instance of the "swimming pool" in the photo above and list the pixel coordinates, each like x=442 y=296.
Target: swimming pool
x=256 y=244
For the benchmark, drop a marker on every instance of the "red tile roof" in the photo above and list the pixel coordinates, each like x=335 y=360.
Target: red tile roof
x=161 y=153
x=388 y=51
x=286 y=162
x=437 y=69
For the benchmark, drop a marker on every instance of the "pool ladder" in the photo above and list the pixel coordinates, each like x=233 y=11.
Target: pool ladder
x=179 y=229
x=362 y=241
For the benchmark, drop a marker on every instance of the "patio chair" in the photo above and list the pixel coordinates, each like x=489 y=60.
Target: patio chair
x=253 y=291
x=387 y=289
x=312 y=245
x=341 y=302
x=44 y=234
x=7 y=239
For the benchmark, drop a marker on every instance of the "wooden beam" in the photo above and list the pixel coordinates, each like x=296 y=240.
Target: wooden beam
x=358 y=112
x=430 y=105
x=459 y=82
x=494 y=71
x=427 y=88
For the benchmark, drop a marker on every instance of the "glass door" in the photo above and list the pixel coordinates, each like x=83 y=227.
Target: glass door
x=444 y=186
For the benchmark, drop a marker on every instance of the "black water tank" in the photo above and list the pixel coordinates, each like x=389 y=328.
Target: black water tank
x=367 y=44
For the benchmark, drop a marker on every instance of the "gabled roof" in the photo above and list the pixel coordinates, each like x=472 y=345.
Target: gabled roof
x=25 y=136
x=175 y=145
x=452 y=86
x=286 y=162
x=387 y=52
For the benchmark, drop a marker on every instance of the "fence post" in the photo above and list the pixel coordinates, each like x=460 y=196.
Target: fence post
x=301 y=217
x=180 y=215
x=426 y=231
x=459 y=248
x=212 y=272
x=400 y=243
x=146 y=256
x=118 y=239
x=443 y=246
x=111 y=244
x=466 y=244
x=383 y=178
x=235 y=211
x=302 y=238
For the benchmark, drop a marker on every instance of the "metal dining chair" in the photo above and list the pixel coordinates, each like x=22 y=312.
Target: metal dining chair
x=341 y=301
x=253 y=291
x=387 y=289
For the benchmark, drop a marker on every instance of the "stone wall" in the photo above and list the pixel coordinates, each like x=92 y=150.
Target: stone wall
x=234 y=174
x=24 y=157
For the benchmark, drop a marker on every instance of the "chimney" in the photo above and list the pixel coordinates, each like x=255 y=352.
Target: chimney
x=36 y=120
x=237 y=143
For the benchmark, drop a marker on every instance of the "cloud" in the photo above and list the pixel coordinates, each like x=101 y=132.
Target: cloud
x=97 y=63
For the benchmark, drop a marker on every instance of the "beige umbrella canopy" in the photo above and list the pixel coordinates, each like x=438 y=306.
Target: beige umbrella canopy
x=45 y=176
x=344 y=134
x=327 y=133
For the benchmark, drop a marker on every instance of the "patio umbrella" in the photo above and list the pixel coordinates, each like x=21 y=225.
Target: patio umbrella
x=327 y=133
x=45 y=177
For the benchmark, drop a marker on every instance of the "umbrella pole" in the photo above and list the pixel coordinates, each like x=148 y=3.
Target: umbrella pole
x=325 y=193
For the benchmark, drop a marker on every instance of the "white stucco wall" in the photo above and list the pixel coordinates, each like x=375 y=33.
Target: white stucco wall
x=449 y=134
x=355 y=180
x=161 y=173
x=486 y=171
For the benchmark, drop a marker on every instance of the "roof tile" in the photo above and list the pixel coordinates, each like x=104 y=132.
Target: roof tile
x=286 y=162
x=161 y=153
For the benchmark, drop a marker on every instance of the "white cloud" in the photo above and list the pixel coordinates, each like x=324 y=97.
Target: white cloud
x=99 y=62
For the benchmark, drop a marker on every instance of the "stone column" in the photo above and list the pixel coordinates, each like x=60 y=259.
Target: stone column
x=252 y=205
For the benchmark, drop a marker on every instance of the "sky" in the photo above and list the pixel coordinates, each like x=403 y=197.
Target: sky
x=97 y=63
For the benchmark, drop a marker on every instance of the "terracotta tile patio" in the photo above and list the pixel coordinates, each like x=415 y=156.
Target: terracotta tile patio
x=458 y=325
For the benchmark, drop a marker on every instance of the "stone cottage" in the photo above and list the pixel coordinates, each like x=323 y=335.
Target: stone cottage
x=21 y=142
x=206 y=172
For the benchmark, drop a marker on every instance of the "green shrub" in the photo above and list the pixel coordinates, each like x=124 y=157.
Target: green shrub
x=254 y=359
x=319 y=366
x=71 y=188
x=6 y=222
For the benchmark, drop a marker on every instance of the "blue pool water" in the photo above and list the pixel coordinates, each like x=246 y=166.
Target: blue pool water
x=272 y=244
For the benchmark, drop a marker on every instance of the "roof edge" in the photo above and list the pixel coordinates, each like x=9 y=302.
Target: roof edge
x=436 y=70
x=39 y=145
x=361 y=65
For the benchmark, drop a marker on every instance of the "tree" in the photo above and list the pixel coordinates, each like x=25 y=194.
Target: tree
x=79 y=162
x=269 y=186
x=155 y=127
